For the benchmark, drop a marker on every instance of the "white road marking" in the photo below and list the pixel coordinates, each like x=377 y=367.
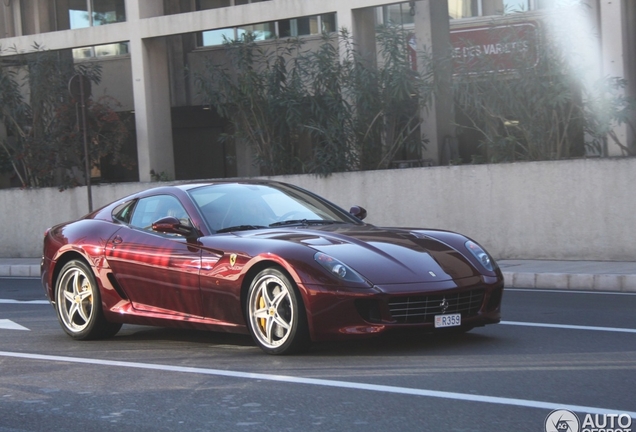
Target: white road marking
x=9 y=301
x=6 y=324
x=570 y=327
x=326 y=383
x=548 y=290
x=20 y=277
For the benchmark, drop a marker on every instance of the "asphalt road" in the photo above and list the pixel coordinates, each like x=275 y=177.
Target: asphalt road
x=555 y=350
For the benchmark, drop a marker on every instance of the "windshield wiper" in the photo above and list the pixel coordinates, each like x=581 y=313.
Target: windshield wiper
x=240 y=228
x=304 y=222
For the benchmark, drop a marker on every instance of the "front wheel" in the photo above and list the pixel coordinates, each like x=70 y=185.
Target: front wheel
x=275 y=313
x=78 y=304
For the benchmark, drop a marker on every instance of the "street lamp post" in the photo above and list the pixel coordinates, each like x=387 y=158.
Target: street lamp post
x=80 y=89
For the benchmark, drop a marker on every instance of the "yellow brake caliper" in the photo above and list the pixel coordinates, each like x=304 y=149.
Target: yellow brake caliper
x=261 y=305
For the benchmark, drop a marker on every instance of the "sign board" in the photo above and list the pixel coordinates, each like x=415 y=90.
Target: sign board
x=79 y=87
x=495 y=48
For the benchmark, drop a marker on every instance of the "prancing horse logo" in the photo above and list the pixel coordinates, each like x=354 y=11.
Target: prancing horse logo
x=444 y=305
x=232 y=260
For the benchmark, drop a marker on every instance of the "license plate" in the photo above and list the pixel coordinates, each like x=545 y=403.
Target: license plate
x=448 y=320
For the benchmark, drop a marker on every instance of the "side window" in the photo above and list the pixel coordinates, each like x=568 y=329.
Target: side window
x=122 y=212
x=151 y=209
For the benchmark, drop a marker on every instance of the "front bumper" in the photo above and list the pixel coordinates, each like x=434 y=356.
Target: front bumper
x=348 y=312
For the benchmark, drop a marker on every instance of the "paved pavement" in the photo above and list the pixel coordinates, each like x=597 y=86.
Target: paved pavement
x=572 y=275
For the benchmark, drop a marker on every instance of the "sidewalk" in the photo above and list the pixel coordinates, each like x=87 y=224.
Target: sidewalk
x=572 y=275
x=20 y=267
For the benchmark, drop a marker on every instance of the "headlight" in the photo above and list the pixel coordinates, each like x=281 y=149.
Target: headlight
x=337 y=268
x=480 y=254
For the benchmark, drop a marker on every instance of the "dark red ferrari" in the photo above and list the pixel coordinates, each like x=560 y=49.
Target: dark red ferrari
x=264 y=258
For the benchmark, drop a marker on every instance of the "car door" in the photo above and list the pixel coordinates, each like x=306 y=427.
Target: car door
x=158 y=272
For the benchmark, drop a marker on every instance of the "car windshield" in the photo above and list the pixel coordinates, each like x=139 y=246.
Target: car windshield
x=233 y=207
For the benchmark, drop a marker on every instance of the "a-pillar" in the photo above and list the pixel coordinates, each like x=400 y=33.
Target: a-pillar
x=151 y=91
x=432 y=34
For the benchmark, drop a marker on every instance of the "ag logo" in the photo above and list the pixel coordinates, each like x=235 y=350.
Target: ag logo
x=562 y=421
x=232 y=260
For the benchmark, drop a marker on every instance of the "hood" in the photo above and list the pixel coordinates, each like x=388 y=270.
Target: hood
x=382 y=255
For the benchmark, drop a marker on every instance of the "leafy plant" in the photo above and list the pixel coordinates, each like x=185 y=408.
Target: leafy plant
x=606 y=105
x=262 y=98
x=44 y=144
x=389 y=100
x=319 y=111
x=330 y=117
x=542 y=105
x=160 y=177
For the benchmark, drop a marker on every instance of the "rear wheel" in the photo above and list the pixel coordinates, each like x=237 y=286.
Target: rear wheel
x=275 y=313
x=78 y=304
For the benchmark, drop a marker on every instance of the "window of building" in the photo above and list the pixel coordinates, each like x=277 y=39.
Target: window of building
x=463 y=8
x=76 y=14
x=397 y=14
x=301 y=26
x=305 y=26
x=217 y=37
x=88 y=13
x=400 y=13
x=262 y=31
x=215 y=4
x=500 y=7
x=101 y=51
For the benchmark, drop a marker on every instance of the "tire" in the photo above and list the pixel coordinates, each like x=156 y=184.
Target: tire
x=275 y=313
x=78 y=304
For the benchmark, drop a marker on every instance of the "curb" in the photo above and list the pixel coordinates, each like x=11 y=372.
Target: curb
x=571 y=281
x=20 y=270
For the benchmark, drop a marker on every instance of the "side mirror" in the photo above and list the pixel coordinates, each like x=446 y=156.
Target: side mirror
x=171 y=225
x=359 y=212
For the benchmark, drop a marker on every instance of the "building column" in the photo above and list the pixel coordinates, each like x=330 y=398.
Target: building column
x=6 y=14
x=16 y=8
x=613 y=22
x=363 y=31
x=361 y=26
x=432 y=33
x=151 y=92
x=344 y=20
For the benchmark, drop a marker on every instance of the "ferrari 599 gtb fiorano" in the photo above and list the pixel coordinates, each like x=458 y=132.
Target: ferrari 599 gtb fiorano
x=262 y=258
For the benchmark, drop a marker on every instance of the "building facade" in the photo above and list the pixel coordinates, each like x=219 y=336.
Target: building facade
x=147 y=47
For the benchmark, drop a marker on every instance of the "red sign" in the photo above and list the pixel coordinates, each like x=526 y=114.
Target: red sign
x=494 y=48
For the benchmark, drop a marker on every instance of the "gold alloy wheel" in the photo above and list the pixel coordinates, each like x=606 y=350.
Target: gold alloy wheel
x=75 y=299
x=271 y=311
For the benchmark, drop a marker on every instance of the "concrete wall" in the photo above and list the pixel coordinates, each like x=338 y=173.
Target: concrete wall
x=573 y=210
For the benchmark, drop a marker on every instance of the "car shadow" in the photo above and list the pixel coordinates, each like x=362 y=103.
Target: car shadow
x=130 y=333
x=401 y=343
x=396 y=343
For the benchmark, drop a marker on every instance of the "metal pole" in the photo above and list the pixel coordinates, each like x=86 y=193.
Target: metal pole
x=86 y=155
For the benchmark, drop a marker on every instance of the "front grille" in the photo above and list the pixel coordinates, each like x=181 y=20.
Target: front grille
x=422 y=309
